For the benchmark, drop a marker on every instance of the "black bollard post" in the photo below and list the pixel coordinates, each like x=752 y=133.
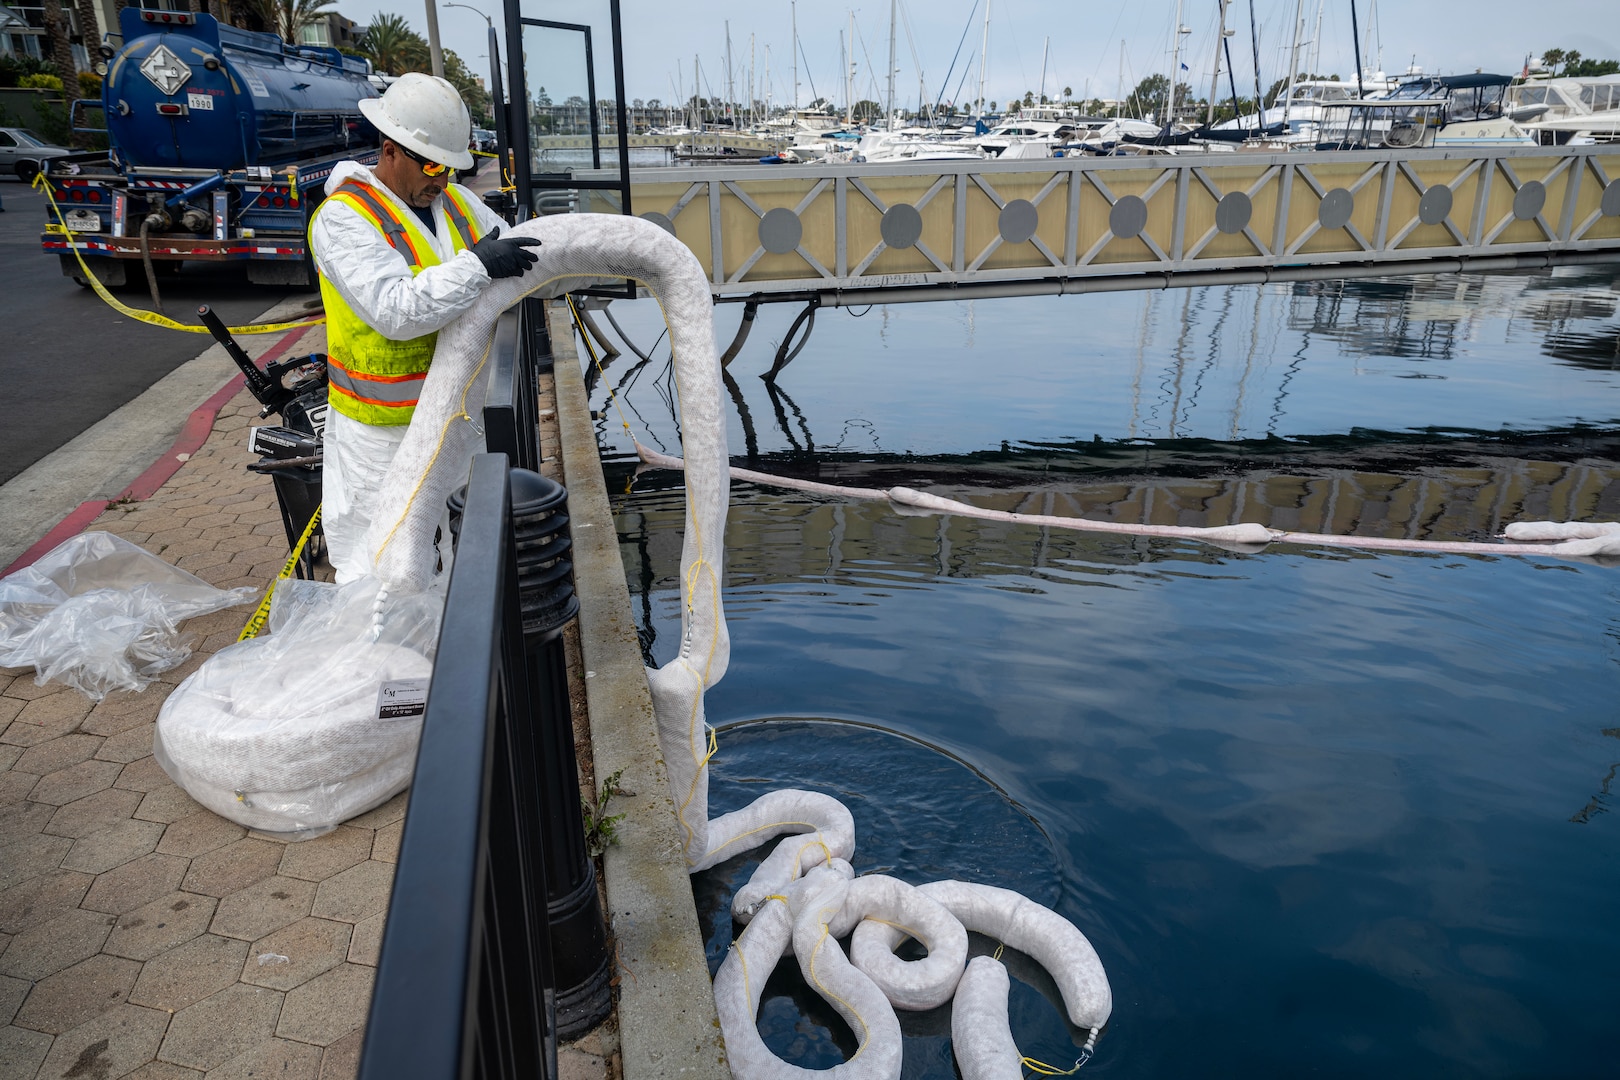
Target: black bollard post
x=546 y=596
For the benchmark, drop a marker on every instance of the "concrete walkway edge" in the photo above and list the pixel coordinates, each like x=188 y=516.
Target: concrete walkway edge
x=73 y=484
x=667 y=1021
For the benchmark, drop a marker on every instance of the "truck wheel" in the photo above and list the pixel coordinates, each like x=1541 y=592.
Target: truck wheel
x=27 y=170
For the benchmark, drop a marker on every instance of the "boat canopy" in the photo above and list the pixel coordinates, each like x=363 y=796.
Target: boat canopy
x=1469 y=82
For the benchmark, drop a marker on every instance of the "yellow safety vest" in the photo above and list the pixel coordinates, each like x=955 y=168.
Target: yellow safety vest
x=371 y=378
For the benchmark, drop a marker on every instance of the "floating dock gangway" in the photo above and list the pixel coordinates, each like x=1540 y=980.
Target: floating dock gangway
x=854 y=234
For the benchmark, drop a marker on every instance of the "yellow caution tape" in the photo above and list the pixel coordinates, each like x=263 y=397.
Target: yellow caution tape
x=262 y=614
x=152 y=318
x=505 y=184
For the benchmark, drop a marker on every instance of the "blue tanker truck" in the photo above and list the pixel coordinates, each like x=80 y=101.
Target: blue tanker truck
x=220 y=141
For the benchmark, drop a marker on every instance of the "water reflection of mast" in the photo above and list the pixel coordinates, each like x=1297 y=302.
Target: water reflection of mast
x=1248 y=363
x=1288 y=377
x=1141 y=361
x=1178 y=365
x=1214 y=352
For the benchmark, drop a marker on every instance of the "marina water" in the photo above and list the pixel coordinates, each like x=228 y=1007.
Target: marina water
x=1320 y=812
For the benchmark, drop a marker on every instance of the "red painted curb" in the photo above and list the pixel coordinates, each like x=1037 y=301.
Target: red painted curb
x=192 y=435
x=196 y=429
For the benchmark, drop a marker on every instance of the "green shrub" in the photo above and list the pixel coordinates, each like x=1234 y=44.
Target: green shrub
x=13 y=68
x=89 y=84
x=40 y=82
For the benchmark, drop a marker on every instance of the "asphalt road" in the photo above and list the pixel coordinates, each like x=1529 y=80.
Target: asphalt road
x=68 y=359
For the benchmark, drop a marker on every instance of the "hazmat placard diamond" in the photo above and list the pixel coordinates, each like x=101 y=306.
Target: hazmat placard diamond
x=166 y=70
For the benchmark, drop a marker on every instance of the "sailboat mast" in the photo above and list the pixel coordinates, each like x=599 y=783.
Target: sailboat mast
x=1366 y=48
x=794 y=7
x=731 y=88
x=1254 y=46
x=849 y=96
x=984 y=53
x=1040 y=95
x=893 y=7
x=1215 y=80
x=843 y=62
x=1355 y=38
x=1175 y=68
x=1119 y=100
x=1316 y=39
x=1293 y=61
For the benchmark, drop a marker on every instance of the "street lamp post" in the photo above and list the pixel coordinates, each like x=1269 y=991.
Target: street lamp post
x=497 y=98
x=434 y=51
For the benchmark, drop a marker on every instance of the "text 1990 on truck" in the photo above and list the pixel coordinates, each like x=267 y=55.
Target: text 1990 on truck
x=221 y=140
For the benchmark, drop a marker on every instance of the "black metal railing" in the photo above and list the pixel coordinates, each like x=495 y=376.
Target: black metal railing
x=464 y=981
x=493 y=867
x=521 y=351
x=511 y=426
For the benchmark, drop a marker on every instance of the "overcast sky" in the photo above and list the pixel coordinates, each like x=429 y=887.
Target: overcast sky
x=661 y=39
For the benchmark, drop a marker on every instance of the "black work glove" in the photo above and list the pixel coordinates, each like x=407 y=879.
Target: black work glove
x=505 y=258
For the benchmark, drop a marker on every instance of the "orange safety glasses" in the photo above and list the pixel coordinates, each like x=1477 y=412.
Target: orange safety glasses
x=429 y=168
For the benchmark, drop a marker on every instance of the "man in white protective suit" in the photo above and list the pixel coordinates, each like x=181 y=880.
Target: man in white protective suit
x=401 y=253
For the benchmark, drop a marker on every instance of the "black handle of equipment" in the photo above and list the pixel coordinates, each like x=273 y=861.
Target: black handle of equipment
x=258 y=383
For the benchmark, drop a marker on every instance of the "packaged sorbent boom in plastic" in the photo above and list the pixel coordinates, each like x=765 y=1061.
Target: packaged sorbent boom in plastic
x=101 y=614
x=304 y=727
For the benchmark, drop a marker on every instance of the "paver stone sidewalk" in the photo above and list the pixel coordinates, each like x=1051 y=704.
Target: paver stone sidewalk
x=139 y=933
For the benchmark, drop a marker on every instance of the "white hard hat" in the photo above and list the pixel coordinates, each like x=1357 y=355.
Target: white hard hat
x=424 y=113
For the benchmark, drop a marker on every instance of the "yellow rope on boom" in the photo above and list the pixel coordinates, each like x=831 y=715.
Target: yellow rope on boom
x=149 y=317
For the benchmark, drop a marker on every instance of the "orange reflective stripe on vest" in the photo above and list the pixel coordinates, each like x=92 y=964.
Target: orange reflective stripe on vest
x=381 y=214
x=392 y=391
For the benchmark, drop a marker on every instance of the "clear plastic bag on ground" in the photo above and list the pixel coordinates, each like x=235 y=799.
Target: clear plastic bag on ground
x=102 y=614
x=303 y=728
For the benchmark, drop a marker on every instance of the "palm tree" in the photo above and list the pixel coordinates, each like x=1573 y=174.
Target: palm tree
x=56 y=35
x=393 y=47
x=288 y=18
x=89 y=30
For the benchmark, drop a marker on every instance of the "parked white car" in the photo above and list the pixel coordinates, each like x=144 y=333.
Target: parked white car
x=22 y=152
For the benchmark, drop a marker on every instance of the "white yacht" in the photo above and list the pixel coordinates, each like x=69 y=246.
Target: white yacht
x=1439 y=111
x=1102 y=131
x=916 y=144
x=1573 y=110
